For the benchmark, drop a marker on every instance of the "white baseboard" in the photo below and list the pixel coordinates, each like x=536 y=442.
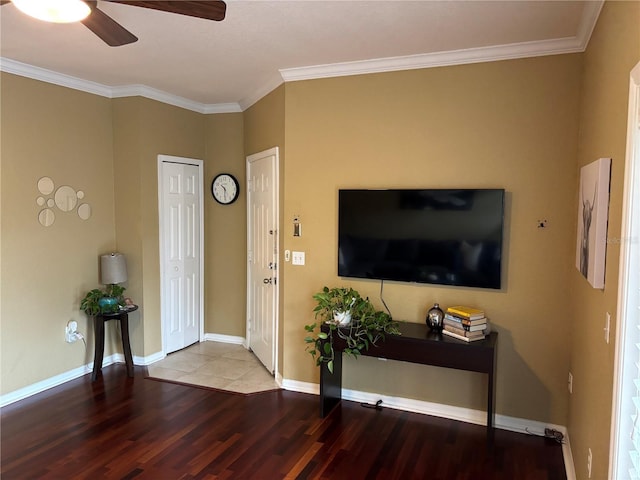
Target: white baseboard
x=153 y=358
x=51 y=382
x=56 y=380
x=468 y=415
x=216 y=337
x=568 y=458
x=478 y=417
x=302 y=387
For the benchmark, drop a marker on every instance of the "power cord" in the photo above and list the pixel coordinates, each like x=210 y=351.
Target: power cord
x=382 y=298
x=551 y=433
x=554 y=435
x=377 y=406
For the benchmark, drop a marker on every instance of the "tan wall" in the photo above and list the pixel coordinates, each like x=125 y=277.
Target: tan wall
x=264 y=127
x=264 y=123
x=160 y=129
x=169 y=131
x=510 y=124
x=127 y=175
x=108 y=149
x=613 y=51
x=67 y=135
x=225 y=229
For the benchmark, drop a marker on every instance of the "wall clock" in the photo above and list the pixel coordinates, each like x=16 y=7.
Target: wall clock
x=225 y=188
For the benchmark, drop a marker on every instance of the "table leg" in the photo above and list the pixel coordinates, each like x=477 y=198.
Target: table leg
x=330 y=385
x=126 y=346
x=491 y=387
x=99 y=346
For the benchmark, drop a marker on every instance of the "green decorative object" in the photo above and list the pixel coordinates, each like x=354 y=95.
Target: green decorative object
x=99 y=301
x=349 y=316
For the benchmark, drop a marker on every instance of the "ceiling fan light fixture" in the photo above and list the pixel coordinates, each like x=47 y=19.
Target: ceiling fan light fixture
x=56 y=11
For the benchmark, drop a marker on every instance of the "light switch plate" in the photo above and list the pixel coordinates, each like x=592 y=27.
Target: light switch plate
x=297 y=258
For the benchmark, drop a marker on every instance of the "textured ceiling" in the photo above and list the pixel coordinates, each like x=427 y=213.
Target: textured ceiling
x=260 y=43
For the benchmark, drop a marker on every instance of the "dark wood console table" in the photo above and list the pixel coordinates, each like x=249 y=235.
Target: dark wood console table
x=100 y=320
x=418 y=344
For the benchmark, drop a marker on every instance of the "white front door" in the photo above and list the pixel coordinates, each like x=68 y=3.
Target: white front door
x=180 y=197
x=262 y=246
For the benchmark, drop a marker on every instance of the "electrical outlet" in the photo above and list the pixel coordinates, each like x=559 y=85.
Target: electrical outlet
x=589 y=463
x=71 y=332
x=570 y=383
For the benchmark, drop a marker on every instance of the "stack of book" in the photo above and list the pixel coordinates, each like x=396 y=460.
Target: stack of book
x=465 y=323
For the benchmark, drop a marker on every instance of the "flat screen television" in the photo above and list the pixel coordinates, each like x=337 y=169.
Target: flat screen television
x=437 y=236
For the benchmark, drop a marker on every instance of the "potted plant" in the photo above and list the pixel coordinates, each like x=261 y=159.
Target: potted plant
x=349 y=316
x=336 y=304
x=98 y=301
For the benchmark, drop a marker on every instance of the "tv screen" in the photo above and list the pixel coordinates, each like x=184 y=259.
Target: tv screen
x=438 y=236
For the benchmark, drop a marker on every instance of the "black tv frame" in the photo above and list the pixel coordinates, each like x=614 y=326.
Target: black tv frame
x=472 y=259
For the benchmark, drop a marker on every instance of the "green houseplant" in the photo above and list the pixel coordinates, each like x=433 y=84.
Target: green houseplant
x=98 y=301
x=337 y=304
x=352 y=318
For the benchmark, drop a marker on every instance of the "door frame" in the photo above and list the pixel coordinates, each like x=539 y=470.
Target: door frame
x=274 y=151
x=163 y=309
x=624 y=318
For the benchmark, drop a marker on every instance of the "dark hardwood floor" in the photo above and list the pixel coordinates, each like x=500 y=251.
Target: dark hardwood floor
x=126 y=428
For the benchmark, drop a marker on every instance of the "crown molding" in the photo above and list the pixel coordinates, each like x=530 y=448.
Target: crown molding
x=274 y=82
x=590 y=16
x=222 y=108
x=512 y=51
x=37 y=73
x=429 y=60
x=176 y=101
x=49 y=76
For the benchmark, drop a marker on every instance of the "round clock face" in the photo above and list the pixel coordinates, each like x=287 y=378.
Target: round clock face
x=225 y=188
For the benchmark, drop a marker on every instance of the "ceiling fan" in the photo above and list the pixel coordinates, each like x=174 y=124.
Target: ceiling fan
x=114 y=34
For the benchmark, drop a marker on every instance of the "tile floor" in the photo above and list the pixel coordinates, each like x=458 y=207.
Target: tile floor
x=222 y=366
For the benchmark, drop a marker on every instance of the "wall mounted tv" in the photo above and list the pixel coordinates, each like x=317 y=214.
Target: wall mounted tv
x=438 y=236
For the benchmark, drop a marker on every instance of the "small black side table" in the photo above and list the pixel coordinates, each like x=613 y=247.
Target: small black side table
x=417 y=344
x=100 y=320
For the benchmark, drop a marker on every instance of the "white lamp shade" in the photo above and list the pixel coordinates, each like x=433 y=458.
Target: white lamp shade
x=113 y=269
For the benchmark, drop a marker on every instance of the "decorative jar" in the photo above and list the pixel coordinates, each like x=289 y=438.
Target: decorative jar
x=435 y=317
x=108 y=304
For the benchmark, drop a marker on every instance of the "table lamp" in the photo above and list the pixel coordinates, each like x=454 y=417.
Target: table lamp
x=113 y=269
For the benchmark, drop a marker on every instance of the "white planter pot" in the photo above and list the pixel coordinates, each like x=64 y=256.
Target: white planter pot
x=342 y=318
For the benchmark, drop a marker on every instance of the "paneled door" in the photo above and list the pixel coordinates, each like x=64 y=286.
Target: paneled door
x=180 y=216
x=262 y=250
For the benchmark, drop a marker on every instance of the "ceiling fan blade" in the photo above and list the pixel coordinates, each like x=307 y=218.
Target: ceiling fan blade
x=109 y=31
x=207 y=9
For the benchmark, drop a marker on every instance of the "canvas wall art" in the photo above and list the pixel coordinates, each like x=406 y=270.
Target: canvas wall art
x=593 y=214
